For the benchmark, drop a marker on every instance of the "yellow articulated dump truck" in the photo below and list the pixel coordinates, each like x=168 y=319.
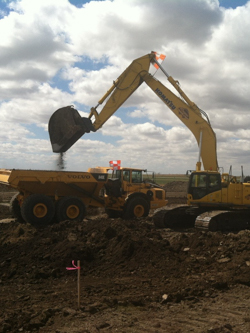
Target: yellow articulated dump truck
x=46 y=196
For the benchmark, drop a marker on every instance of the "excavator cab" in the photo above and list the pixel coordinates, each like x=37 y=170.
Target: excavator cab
x=202 y=183
x=66 y=126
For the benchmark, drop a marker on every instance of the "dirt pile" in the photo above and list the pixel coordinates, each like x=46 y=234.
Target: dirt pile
x=176 y=192
x=126 y=266
x=176 y=186
x=5 y=188
x=6 y=193
x=134 y=278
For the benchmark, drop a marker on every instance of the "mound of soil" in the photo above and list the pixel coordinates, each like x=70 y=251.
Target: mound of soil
x=176 y=192
x=133 y=278
x=176 y=186
x=5 y=188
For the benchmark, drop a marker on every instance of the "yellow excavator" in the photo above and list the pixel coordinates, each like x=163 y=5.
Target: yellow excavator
x=215 y=201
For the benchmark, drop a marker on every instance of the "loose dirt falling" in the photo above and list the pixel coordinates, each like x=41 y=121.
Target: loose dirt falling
x=61 y=161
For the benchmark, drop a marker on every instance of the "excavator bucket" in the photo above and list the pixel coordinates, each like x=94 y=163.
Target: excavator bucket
x=66 y=126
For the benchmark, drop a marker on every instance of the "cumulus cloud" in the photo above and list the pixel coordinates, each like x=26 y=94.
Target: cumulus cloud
x=55 y=54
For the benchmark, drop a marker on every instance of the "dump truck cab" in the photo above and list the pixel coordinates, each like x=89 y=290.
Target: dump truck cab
x=128 y=195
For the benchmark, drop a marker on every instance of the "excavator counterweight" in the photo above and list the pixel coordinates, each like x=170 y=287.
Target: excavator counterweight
x=66 y=126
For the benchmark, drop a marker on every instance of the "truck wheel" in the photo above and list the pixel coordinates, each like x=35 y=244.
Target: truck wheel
x=15 y=208
x=38 y=209
x=136 y=207
x=70 y=208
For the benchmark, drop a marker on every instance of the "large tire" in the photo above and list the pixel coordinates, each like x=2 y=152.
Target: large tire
x=70 y=208
x=15 y=208
x=136 y=207
x=38 y=210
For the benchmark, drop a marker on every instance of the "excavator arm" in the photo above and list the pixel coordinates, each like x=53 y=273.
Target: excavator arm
x=66 y=126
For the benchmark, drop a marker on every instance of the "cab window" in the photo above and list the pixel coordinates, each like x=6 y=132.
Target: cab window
x=214 y=183
x=136 y=176
x=199 y=180
x=202 y=184
x=118 y=174
x=126 y=175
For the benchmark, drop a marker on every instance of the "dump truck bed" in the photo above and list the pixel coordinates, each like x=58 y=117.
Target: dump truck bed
x=56 y=183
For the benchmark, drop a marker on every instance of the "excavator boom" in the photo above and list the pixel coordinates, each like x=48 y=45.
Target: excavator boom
x=193 y=118
x=66 y=125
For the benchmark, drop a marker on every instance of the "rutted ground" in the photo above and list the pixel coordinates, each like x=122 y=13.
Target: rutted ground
x=134 y=278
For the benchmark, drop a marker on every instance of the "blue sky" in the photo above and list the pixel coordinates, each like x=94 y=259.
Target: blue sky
x=57 y=53
x=232 y=3
x=224 y=3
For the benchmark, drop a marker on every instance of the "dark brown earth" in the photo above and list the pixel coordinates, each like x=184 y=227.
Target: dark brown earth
x=134 y=277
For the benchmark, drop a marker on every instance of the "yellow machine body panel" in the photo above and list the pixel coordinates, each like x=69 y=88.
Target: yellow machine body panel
x=246 y=194
x=57 y=184
x=4 y=176
x=230 y=194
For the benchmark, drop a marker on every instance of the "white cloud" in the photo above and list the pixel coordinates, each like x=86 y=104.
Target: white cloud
x=47 y=47
x=136 y=114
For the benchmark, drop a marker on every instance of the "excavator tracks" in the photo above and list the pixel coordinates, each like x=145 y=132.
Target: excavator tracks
x=175 y=218
x=223 y=221
x=183 y=217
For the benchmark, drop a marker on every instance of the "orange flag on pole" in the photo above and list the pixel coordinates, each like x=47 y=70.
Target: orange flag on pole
x=115 y=164
x=157 y=57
